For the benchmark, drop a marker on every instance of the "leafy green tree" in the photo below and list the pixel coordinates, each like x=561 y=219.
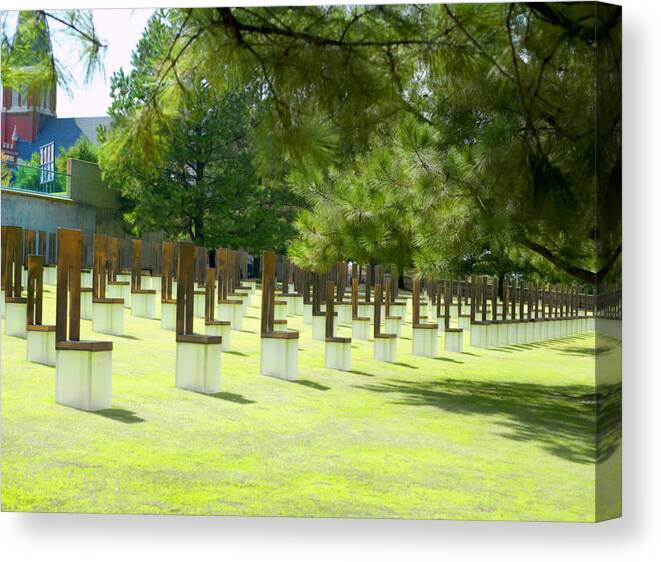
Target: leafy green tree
x=200 y=182
x=82 y=149
x=509 y=91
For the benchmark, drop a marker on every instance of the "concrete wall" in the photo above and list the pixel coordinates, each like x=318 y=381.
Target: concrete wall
x=45 y=212
x=90 y=207
x=85 y=185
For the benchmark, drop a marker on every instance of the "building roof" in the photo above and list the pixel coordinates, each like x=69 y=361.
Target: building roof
x=64 y=132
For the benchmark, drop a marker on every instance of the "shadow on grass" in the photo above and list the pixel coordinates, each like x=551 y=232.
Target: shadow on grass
x=232 y=397
x=252 y=317
x=120 y=415
x=563 y=420
x=247 y=331
x=239 y=353
x=363 y=373
x=127 y=337
x=312 y=384
x=448 y=359
x=407 y=365
x=589 y=350
x=471 y=354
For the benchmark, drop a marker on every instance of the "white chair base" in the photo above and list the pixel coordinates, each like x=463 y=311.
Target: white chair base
x=294 y=304
x=247 y=300
x=232 y=313
x=360 y=329
x=119 y=292
x=477 y=335
x=2 y=304
x=611 y=327
x=546 y=330
x=385 y=349
x=343 y=310
x=513 y=333
x=280 y=311
x=491 y=334
x=86 y=305
x=222 y=330
x=501 y=335
x=298 y=305
x=50 y=275
x=83 y=379
x=143 y=305
x=168 y=316
x=85 y=278
x=108 y=318
x=425 y=342
x=41 y=347
x=319 y=328
x=338 y=355
x=148 y=281
x=16 y=319
x=530 y=332
x=392 y=326
x=307 y=314
x=366 y=311
x=198 y=367
x=464 y=323
x=237 y=318
x=198 y=305
x=279 y=358
x=454 y=341
x=397 y=309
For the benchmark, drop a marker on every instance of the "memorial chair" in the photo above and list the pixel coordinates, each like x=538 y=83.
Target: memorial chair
x=424 y=334
x=15 y=302
x=118 y=284
x=168 y=304
x=278 y=349
x=143 y=301
x=229 y=309
x=360 y=325
x=40 y=337
x=198 y=356
x=83 y=372
x=392 y=322
x=385 y=344
x=212 y=326
x=453 y=338
x=107 y=312
x=337 y=352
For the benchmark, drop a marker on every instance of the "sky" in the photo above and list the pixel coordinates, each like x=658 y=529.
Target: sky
x=120 y=29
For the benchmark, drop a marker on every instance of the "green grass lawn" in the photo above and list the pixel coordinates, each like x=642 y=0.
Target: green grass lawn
x=487 y=434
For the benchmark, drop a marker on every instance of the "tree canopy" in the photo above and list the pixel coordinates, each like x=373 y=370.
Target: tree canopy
x=201 y=183
x=508 y=92
x=434 y=136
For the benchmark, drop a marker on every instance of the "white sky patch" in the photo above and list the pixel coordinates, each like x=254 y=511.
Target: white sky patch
x=120 y=30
